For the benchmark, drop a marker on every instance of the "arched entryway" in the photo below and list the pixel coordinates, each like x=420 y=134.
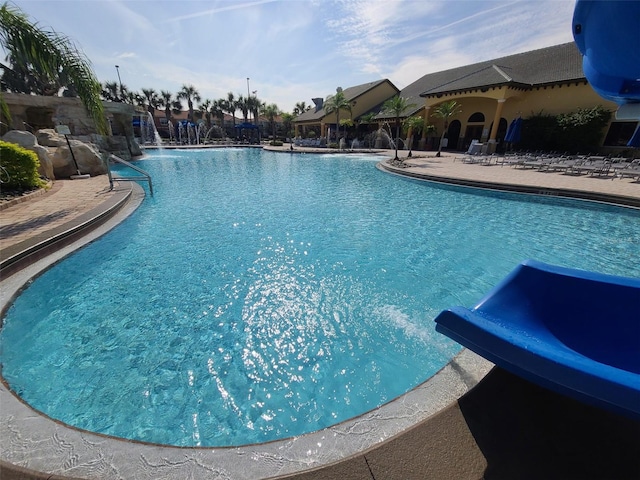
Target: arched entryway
x=500 y=134
x=453 y=135
x=475 y=129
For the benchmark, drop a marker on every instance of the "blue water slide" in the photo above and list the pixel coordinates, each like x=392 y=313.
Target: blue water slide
x=572 y=331
x=607 y=34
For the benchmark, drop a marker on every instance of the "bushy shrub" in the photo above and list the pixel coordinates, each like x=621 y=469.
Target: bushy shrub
x=539 y=132
x=579 y=131
x=21 y=166
x=583 y=129
x=275 y=143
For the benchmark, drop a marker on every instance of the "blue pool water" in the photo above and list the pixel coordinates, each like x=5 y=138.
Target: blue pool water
x=259 y=295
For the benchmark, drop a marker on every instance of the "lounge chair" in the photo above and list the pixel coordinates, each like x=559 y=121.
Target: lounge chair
x=572 y=331
x=631 y=170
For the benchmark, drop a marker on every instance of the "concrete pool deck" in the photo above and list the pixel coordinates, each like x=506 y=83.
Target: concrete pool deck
x=471 y=426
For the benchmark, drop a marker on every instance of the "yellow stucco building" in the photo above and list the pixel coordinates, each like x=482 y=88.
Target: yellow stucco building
x=492 y=93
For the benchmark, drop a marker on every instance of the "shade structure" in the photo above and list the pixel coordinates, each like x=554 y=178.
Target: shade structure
x=514 y=131
x=634 y=141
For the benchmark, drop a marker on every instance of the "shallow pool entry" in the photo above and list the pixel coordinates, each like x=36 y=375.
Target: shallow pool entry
x=259 y=296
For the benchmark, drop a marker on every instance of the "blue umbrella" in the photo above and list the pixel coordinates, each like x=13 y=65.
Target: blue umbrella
x=510 y=131
x=514 y=131
x=634 y=141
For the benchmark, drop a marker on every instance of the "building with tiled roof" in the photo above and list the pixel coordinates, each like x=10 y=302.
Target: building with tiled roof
x=492 y=93
x=363 y=98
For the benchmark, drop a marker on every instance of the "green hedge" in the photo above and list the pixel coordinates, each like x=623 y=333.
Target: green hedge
x=21 y=166
x=580 y=131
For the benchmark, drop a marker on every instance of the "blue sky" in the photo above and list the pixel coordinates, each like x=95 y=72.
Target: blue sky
x=294 y=50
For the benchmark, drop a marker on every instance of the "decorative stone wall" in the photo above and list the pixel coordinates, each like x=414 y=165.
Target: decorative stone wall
x=32 y=113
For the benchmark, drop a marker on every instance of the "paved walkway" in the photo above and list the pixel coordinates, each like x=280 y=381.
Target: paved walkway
x=43 y=210
x=55 y=215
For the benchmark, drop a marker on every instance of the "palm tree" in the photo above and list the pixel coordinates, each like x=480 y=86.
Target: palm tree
x=190 y=94
x=231 y=107
x=396 y=105
x=203 y=108
x=287 y=120
x=53 y=55
x=414 y=126
x=335 y=103
x=241 y=104
x=110 y=91
x=445 y=111
x=271 y=112
x=170 y=104
x=153 y=101
x=300 y=108
x=218 y=107
x=254 y=105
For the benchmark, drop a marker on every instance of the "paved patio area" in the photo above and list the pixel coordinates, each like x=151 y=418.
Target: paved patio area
x=504 y=428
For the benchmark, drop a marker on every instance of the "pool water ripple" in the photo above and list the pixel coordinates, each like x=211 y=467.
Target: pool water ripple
x=260 y=296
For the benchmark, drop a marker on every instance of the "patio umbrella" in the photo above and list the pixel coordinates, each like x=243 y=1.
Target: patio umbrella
x=514 y=130
x=634 y=141
x=510 y=130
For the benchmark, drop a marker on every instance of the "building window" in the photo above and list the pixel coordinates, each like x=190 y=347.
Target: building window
x=619 y=134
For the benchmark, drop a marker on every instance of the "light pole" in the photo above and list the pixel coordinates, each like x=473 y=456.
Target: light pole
x=248 y=96
x=119 y=79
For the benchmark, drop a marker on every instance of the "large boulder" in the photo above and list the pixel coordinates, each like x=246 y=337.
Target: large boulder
x=46 y=165
x=50 y=138
x=20 y=137
x=28 y=140
x=86 y=156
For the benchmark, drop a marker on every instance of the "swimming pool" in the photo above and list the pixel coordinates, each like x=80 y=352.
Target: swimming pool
x=314 y=274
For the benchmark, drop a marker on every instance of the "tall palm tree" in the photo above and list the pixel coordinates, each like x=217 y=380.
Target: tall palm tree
x=190 y=94
x=241 y=104
x=110 y=91
x=203 y=108
x=271 y=111
x=153 y=101
x=396 y=105
x=300 y=108
x=52 y=54
x=232 y=107
x=413 y=126
x=255 y=105
x=335 y=103
x=445 y=111
x=287 y=120
x=171 y=105
x=218 y=108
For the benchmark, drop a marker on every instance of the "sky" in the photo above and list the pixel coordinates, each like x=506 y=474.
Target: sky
x=294 y=50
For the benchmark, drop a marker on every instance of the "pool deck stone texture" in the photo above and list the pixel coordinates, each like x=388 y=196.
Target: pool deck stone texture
x=470 y=421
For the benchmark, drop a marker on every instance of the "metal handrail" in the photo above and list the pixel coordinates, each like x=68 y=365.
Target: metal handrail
x=145 y=176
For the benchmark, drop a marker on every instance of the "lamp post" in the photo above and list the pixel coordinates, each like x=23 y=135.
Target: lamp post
x=248 y=96
x=119 y=79
x=255 y=120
